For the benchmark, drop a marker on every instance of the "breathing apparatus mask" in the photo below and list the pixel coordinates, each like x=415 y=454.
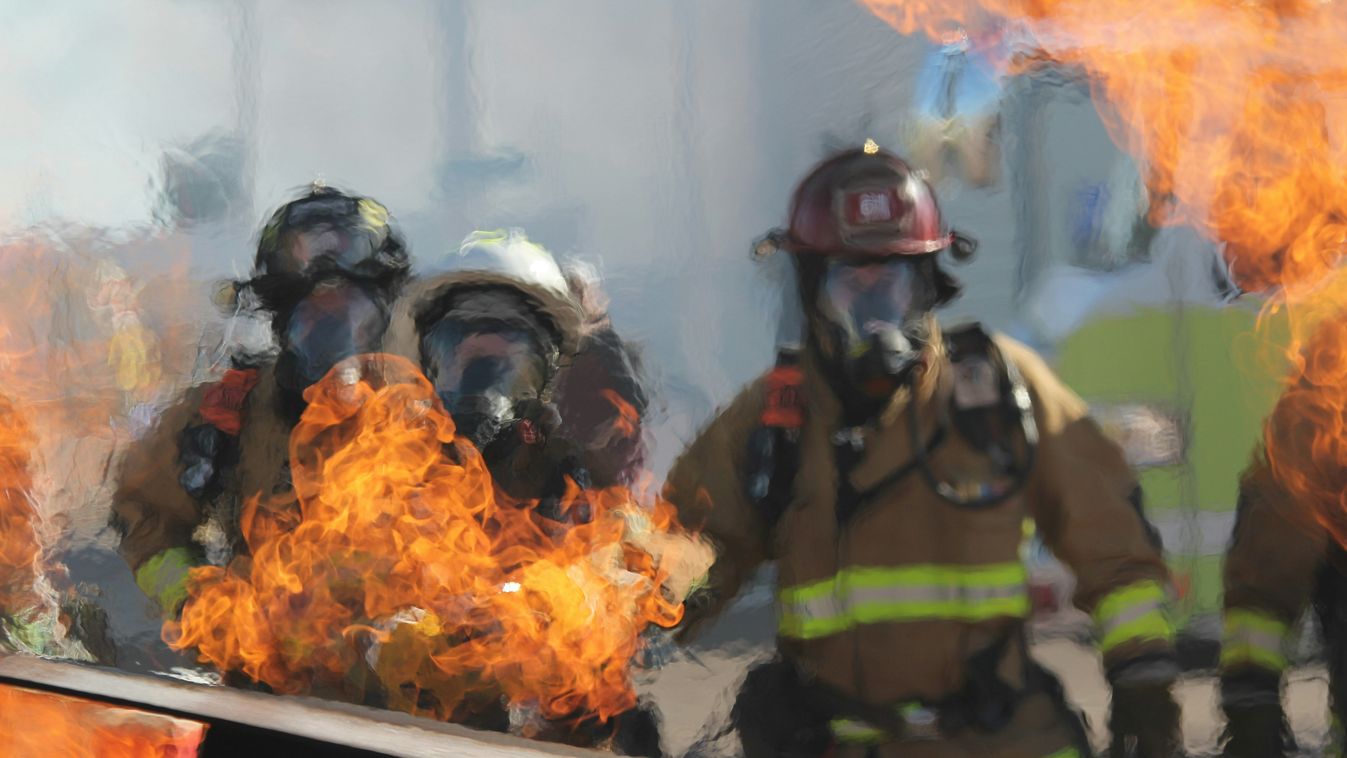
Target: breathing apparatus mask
x=490 y=358
x=875 y=315
x=335 y=320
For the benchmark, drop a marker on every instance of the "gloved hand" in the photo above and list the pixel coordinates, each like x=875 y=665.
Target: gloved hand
x=1255 y=725
x=1144 y=721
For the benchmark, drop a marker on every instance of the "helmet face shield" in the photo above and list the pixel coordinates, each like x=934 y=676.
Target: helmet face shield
x=326 y=246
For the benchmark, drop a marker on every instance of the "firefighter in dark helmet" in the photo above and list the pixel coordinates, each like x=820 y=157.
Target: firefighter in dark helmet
x=328 y=267
x=889 y=469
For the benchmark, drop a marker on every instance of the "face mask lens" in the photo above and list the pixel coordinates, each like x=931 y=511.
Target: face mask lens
x=335 y=321
x=477 y=361
x=865 y=298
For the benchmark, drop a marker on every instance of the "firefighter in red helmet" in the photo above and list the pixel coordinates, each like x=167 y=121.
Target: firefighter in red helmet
x=889 y=469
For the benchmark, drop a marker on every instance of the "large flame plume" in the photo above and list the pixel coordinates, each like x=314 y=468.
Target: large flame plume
x=20 y=550
x=34 y=724
x=76 y=362
x=400 y=561
x=1235 y=110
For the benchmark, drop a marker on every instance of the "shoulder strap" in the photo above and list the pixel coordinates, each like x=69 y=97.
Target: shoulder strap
x=991 y=408
x=222 y=402
x=774 y=446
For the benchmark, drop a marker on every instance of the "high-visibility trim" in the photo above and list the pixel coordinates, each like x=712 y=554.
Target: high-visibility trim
x=1133 y=613
x=868 y=595
x=860 y=733
x=1252 y=637
x=164 y=577
x=856 y=732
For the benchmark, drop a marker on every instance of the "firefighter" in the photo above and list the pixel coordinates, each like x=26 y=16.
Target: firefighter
x=500 y=335
x=328 y=267
x=496 y=334
x=892 y=487
x=1281 y=559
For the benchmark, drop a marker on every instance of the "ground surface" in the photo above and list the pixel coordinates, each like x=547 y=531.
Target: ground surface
x=689 y=693
x=697 y=687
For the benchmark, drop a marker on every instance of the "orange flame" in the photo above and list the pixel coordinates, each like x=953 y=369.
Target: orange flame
x=627 y=423
x=403 y=562
x=34 y=724
x=74 y=356
x=1232 y=106
x=20 y=549
x=1236 y=110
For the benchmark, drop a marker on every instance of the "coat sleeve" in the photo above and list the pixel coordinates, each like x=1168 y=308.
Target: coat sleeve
x=1086 y=504
x=706 y=486
x=150 y=508
x=1275 y=552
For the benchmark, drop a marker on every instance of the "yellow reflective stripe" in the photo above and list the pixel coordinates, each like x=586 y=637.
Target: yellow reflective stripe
x=1236 y=655
x=1236 y=620
x=807 y=629
x=164 y=577
x=989 y=575
x=866 y=595
x=1133 y=613
x=1068 y=752
x=1252 y=637
x=1152 y=626
x=1119 y=602
x=856 y=732
x=949 y=609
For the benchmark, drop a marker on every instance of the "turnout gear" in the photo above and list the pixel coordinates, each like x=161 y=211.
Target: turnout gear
x=545 y=396
x=500 y=334
x=170 y=513
x=328 y=265
x=1281 y=561
x=1255 y=725
x=1144 y=719
x=901 y=592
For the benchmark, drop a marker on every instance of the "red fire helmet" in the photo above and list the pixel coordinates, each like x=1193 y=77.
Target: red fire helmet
x=865 y=201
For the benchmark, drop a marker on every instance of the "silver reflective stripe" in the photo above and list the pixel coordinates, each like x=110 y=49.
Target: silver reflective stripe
x=1260 y=638
x=1130 y=614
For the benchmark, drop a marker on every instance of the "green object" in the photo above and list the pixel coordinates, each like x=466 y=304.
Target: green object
x=164 y=578
x=1219 y=371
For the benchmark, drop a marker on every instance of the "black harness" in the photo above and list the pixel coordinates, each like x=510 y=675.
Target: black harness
x=991 y=409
